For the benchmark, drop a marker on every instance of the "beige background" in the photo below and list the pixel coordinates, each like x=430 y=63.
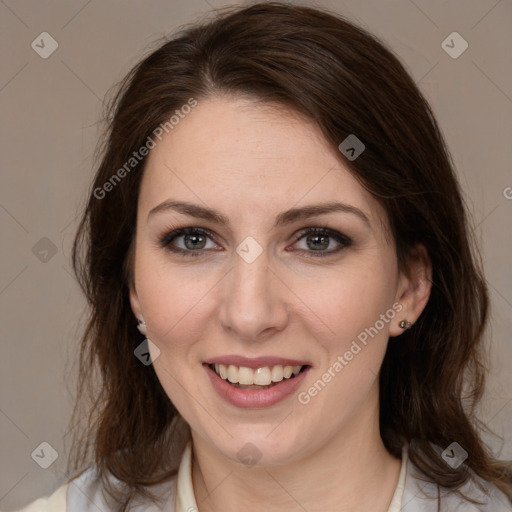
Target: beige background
x=49 y=111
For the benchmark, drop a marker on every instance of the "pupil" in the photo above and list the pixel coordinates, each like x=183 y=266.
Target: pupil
x=324 y=241
x=196 y=241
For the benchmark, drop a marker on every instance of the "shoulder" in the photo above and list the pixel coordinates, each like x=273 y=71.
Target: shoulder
x=56 y=502
x=86 y=493
x=421 y=495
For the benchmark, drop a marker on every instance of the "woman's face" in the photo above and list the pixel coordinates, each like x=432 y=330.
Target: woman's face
x=253 y=290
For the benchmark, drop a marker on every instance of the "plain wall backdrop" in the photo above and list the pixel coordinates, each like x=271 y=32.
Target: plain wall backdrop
x=50 y=108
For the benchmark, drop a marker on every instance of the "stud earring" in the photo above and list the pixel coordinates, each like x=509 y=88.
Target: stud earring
x=141 y=326
x=405 y=324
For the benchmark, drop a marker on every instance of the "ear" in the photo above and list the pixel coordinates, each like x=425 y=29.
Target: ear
x=134 y=302
x=414 y=287
x=129 y=270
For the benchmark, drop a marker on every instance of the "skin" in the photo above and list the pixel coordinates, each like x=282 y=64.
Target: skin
x=251 y=162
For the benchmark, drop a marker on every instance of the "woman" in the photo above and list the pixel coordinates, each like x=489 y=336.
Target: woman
x=286 y=309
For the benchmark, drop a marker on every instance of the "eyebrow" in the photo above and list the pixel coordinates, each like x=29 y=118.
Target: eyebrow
x=284 y=218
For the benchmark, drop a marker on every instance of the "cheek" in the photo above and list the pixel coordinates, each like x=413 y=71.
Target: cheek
x=350 y=299
x=352 y=332
x=173 y=301
x=171 y=298
x=357 y=306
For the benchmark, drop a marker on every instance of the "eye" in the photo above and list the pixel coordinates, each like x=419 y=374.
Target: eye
x=193 y=241
x=188 y=241
x=318 y=240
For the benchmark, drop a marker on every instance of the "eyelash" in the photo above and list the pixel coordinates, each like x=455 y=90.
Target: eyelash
x=343 y=240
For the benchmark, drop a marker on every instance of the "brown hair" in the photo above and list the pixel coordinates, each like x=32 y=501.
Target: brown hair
x=343 y=78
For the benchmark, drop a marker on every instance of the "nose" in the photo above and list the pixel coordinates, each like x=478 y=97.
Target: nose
x=254 y=300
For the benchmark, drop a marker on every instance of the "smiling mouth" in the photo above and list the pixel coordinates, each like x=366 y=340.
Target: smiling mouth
x=259 y=378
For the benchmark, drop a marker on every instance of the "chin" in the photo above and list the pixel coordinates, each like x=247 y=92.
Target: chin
x=259 y=450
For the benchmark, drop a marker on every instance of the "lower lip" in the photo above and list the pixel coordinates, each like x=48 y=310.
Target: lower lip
x=255 y=398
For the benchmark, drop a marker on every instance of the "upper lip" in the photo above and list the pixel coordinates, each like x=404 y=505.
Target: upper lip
x=255 y=362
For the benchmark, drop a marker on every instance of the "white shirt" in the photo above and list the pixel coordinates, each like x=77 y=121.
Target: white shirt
x=83 y=494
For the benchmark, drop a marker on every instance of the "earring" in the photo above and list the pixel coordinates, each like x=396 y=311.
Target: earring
x=146 y=352
x=404 y=324
x=141 y=326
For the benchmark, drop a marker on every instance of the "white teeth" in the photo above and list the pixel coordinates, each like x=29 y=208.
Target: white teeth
x=245 y=376
x=277 y=373
x=232 y=374
x=263 y=376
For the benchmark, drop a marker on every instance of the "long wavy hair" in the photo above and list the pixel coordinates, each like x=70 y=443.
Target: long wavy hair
x=345 y=80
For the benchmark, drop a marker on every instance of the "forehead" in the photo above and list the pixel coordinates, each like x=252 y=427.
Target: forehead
x=246 y=158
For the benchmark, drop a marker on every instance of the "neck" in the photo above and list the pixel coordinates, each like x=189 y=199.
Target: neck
x=352 y=471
